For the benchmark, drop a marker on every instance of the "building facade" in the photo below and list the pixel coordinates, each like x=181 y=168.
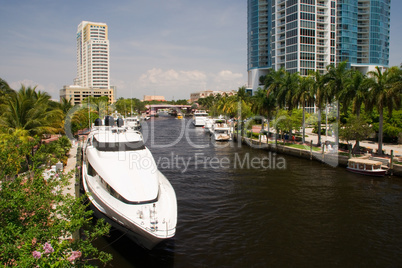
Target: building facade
x=203 y=94
x=153 y=98
x=93 y=55
x=78 y=94
x=92 y=65
x=304 y=35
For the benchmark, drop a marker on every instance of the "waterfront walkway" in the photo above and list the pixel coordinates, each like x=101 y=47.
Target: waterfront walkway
x=397 y=148
x=71 y=163
x=368 y=144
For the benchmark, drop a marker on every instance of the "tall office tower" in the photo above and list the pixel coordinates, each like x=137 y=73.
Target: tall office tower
x=92 y=55
x=306 y=35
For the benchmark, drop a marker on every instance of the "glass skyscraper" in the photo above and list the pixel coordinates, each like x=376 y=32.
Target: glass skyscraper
x=303 y=35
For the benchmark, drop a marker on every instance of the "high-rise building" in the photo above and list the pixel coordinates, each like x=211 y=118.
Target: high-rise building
x=363 y=29
x=92 y=65
x=303 y=35
x=92 y=55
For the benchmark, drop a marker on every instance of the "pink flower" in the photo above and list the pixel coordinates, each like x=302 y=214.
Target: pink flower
x=48 y=248
x=74 y=255
x=36 y=254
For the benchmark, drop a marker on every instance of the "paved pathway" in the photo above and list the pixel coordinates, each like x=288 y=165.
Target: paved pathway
x=368 y=144
x=71 y=166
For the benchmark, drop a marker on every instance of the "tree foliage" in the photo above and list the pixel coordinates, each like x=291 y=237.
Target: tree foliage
x=356 y=129
x=29 y=110
x=37 y=220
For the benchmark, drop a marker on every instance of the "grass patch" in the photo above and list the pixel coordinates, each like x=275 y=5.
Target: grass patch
x=303 y=147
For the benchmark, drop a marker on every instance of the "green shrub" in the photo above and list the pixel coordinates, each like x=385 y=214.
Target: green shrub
x=37 y=220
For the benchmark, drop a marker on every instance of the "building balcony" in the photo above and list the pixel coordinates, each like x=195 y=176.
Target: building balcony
x=281 y=23
x=283 y=15
x=281 y=30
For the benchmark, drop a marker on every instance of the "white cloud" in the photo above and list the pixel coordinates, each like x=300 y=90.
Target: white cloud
x=227 y=75
x=157 y=76
x=50 y=88
x=181 y=83
x=27 y=83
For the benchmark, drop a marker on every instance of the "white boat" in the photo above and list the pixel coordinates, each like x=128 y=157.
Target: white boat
x=366 y=167
x=132 y=122
x=209 y=121
x=124 y=185
x=199 y=118
x=221 y=130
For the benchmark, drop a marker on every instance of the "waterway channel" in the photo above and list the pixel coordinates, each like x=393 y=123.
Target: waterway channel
x=243 y=207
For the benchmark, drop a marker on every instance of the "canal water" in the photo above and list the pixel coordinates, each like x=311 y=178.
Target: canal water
x=243 y=207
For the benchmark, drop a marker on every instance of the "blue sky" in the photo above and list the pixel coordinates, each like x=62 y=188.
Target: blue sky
x=163 y=47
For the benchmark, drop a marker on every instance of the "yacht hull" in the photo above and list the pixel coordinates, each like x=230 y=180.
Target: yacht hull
x=134 y=228
x=133 y=195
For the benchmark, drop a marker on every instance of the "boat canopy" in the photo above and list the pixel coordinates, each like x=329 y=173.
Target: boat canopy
x=118 y=146
x=364 y=161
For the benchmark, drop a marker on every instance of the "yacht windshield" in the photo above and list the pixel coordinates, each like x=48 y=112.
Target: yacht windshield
x=118 y=146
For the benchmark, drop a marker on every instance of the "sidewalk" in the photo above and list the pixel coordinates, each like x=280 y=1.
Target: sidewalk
x=71 y=162
x=368 y=144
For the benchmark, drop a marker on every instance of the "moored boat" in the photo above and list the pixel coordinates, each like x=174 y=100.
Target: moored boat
x=221 y=131
x=131 y=193
x=132 y=122
x=199 y=118
x=366 y=167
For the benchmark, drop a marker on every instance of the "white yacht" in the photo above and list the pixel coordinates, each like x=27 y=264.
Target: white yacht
x=209 y=121
x=199 y=118
x=123 y=183
x=132 y=122
x=221 y=130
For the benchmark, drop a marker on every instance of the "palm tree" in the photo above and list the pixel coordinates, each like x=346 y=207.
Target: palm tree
x=318 y=93
x=303 y=96
x=5 y=88
x=28 y=111
x=286 y=89
x=336 y=81
x=385 y=92
x=65 y=105
x=355 y=93
x=274 y=80
x=264 y=103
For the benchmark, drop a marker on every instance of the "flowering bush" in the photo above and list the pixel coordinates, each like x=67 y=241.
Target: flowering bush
x=38 y=223
x=66 y=259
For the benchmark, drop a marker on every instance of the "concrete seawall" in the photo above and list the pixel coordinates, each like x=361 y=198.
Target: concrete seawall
x=332 y=159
